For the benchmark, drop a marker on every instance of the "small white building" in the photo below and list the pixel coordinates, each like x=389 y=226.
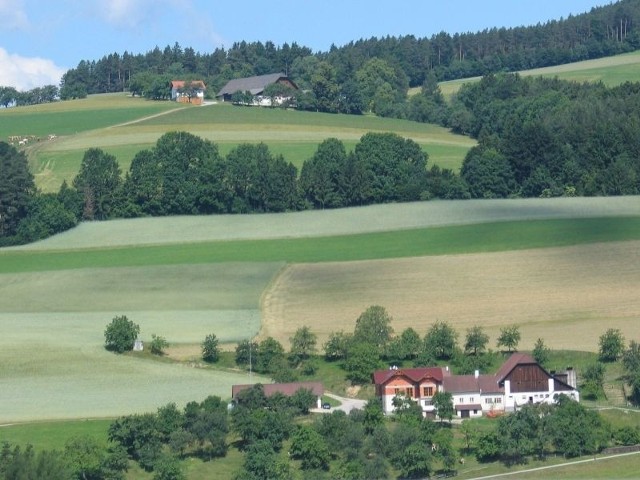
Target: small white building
x=185 y=91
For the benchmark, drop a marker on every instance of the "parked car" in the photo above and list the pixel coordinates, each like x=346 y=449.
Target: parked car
x=326 y=406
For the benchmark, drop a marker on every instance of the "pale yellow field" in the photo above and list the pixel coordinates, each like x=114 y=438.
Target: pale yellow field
x=567 y=296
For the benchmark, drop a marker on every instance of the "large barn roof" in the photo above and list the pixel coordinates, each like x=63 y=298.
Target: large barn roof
x=255 y=85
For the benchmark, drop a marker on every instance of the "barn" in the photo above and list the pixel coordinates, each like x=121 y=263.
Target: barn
x=254 y=85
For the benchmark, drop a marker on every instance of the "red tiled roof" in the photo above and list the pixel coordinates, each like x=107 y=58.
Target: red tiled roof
x=180 y=84
x=287 y=389
x=414 y=374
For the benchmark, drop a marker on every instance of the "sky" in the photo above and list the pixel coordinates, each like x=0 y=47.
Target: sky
x=40 y=40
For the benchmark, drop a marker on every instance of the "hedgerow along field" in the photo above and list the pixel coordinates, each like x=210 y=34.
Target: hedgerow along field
x=55 y=301
x=122 y=126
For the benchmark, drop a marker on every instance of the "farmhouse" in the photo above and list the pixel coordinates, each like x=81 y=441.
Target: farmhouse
x=255 y=86
x=287 y=389
x=188 y=91
x=519 y=381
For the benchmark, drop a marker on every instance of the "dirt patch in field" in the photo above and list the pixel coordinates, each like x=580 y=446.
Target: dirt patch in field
x=567 y=296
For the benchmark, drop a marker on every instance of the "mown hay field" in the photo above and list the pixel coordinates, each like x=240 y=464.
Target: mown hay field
x=53 y=366
x=568 y=296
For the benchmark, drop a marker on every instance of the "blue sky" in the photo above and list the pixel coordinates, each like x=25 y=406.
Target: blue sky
x=39 y=40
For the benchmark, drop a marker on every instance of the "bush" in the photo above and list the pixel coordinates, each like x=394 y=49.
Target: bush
x=210 y=349
x=120 y=334
x=158 y=344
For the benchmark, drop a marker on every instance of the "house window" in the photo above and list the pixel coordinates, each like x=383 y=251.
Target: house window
x=471 y=400
x=475 y=412
x=396 y=391
x=409 y=392
x=461 y=400
x=427 y=391
x=498 y=400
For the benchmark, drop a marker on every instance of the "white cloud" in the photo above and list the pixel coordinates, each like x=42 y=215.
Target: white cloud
x=13 y=15
x=25 y=73
x=131 y=13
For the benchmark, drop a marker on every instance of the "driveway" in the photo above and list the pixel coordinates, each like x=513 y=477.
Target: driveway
x=347 y=404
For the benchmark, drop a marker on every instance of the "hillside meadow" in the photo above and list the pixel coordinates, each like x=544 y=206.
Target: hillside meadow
x=122 y=126
x=609 y=70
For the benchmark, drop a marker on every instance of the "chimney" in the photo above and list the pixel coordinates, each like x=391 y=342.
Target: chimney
x=476 y=374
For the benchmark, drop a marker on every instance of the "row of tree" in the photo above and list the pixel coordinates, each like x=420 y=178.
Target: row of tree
x=184 y=174
x=10 y=97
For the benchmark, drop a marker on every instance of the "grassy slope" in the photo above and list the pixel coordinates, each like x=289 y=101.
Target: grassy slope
x=609 y=70
x=491 y=237
x=295 y=135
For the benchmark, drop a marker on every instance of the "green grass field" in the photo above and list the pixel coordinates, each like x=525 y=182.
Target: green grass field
x=609 y=70
x=489 y=237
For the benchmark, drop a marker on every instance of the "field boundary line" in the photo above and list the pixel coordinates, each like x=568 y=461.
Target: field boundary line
x=265 y=297
x=537 y=469
x=149 y=117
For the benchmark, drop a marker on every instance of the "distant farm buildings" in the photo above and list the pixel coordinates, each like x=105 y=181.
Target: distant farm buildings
x=520 y=381
x=255 y=87
x=185 y=91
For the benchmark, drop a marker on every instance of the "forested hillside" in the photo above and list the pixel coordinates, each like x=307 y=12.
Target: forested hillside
x=603 y=31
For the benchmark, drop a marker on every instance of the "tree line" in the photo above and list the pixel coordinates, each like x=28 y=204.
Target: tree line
x=186 y=175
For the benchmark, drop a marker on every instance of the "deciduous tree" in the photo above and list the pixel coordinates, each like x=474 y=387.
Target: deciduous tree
x=121 y=334
x=476 y=340
x=210 y=349
x=443 y=404
x=509 y=337
x=373 y=327
x=98 y=181
x=541 y=352
x=611 y=345
x=303 y=343
x=441 y=339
